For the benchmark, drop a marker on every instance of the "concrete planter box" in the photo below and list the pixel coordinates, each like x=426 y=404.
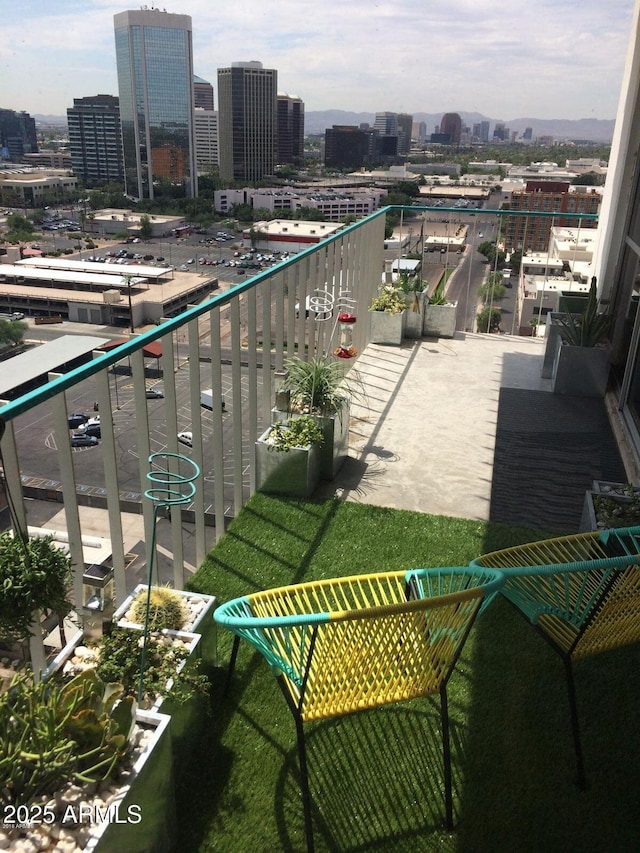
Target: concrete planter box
x=286 y=472
x=617 y=492
x=581 y=371
x=387 y=328
x=440 y=320
x=553 y=343
x=335 y=430
x=415 y=319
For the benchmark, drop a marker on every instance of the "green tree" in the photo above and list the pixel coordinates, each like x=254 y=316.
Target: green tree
x=146 y=228
x=12 y=332
x=488 y=320
x=493 y=289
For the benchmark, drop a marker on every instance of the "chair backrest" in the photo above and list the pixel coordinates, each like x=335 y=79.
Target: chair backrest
x=357 y=642
x=582 y=591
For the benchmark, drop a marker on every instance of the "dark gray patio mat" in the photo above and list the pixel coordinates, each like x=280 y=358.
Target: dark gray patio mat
x=548 y=450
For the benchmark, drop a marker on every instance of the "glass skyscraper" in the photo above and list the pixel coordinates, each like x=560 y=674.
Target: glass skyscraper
x=155 y=80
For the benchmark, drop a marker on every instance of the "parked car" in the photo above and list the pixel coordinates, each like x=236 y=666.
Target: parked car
x=186 y=438
x=88 y=429
x=83 y=441
x=154 y=394
x=77 y=419
x=184 y=268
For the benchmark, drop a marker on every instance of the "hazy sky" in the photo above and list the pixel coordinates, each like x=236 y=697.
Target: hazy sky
x=503 y=58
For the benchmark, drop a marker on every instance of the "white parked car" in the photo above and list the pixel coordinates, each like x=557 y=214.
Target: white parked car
x=186 y=438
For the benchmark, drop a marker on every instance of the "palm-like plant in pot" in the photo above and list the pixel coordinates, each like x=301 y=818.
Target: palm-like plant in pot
x=581 y=365
x=388 y=315
x=322 y=389
x=413 y=288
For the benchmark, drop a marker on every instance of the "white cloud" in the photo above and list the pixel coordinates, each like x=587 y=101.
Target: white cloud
x=548 y=58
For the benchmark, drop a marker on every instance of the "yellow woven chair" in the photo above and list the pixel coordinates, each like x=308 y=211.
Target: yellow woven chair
x=342 y=645
x=581 y=593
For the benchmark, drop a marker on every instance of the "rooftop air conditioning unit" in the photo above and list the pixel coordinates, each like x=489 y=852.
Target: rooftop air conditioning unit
x=112 y=296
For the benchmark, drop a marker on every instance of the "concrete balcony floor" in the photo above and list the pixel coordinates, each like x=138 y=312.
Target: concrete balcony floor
x=468 y=428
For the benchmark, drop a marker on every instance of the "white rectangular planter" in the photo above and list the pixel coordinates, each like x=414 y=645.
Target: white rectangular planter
x=440 y=320
x=295 y=471
x=335 y=431
x=387 y=328
x=414 y=319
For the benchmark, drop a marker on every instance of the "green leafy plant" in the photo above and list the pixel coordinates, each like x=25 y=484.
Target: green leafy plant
x=34 y=575
x=438 y=297
x=119 y=660
x=166 y=609
x=53 y=733
x=618 y=512
x=590 y=328
x=390 y=300
x=296 y=432
x=411 y=283
x=317 y=386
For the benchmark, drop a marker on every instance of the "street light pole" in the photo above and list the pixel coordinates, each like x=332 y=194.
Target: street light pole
x=127 y=279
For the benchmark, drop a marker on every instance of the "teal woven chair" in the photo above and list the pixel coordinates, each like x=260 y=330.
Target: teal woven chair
x=582 y=595
x=346 y=644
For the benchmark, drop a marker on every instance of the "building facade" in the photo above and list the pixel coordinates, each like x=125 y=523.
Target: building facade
x=290 y=129
x=247 y=95
x=207 y=148
x=17 y=135
x=95 y=141
x=531 y=234
x=155 y=80
x=405 y=130
x=451 y=126
x=203 y=94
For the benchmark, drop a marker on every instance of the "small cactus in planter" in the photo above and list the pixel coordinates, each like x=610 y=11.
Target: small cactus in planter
x=166 y=609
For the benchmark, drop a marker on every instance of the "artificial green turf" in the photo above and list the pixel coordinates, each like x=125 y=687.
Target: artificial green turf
x=376 y=776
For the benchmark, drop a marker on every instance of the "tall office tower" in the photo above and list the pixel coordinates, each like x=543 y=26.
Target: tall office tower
x=207 y=151
x=202 y=94
x=420 y=132
x=17 y=135
x=155 y=79
x=451 y=125
x=346 y=146
x=290 y=129
x=95 y=141
x=386 y=123
x=247 y=95
x=405 y=128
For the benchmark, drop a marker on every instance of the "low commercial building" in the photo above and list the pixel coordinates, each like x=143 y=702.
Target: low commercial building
x=35 y=187
x=114 y=221
x=99 y=293
x=287 y=234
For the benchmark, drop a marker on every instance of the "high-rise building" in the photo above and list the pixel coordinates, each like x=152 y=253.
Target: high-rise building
x=95 y=142
x=386 y=123
x=154 y=58
x=405 y=129
x=290 y=129
x=247 y=96
x=17 y=135
x=207 y=151
x=347 y=146
x=202 y=94
x=451 y=125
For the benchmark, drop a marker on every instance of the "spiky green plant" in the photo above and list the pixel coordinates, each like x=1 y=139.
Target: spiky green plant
x=590 y=328
x=166 y=609
x=317 y=386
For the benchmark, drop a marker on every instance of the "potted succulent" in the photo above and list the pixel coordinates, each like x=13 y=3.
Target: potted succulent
x=320 y=389
x=581 y=364
x=83 y=768
x=439 y=314
x=609 y=505
x=35 y=578
x=388 y=316
x=413 y=288
x=288 y=457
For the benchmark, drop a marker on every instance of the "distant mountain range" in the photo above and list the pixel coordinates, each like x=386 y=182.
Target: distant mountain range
x=317 y=121
x=593 y=129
